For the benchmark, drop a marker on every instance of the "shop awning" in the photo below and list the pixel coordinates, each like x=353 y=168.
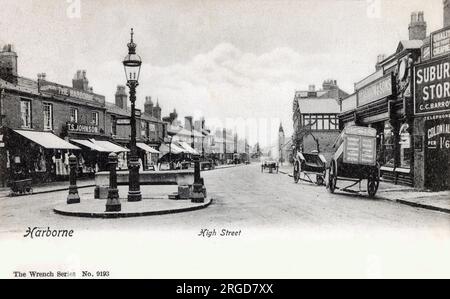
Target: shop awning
x=188 y=148
x=174 y=149
x=90 y=145
x=47 y=140
x=147 y=148
x=109 y=146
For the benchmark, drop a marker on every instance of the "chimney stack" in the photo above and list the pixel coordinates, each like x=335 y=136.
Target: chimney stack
x=329 y=84
x=81 y=82
x=446 y=13
x=121 y=97
x=188 y=123
x=380 y=58
x=8 y=64
x=417 y=27
x=148 y=106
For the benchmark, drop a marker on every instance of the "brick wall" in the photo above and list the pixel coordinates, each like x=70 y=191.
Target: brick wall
x=61 y=113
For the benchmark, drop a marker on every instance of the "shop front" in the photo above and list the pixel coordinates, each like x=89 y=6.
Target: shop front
x=378 y=105
x=432 y=118
x=91 y=158
x=36 y=155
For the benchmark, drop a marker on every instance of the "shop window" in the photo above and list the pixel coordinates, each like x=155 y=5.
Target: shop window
x=405 y=146
x=73 y=115
x=48 y=116
x=95 y=120
x=389 y=156
x=25 y=111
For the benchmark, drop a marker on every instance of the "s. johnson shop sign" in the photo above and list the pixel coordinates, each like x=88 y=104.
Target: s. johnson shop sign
x=432 y=87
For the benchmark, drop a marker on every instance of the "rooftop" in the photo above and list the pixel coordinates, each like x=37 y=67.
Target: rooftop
x=318 y=105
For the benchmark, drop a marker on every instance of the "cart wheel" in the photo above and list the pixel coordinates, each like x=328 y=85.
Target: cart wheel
x=319 y=180
x=296 y=172
x=332 y=178
x=372 y=185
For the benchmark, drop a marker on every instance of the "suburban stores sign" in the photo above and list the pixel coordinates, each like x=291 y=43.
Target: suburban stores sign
x=432 y=87
x=375 y=91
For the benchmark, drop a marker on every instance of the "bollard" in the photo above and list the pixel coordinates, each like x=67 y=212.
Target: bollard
x=73 y=196
x=113 y=203
x=197 y=192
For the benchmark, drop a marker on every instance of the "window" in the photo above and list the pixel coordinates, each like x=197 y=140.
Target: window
x=306 y=120
x=326 y=123
x=113 y=126
x=313 y=122
x=320 y=122
x=25 y=111
x=95 y=118
x=73 y=115
x=389 y=156
x=48 y=116
x=405 y=146
x=143 y=128
x=334 y=122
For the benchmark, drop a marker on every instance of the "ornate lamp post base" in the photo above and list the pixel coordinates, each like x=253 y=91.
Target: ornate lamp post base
x=134 y=196
x=73 y=196
x=113 y=203
x=134 y=192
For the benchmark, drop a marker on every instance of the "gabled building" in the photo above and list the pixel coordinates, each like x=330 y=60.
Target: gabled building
x=315 y=118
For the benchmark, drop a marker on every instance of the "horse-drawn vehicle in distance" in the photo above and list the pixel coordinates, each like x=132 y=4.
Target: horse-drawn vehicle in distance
x=355 y=160
x=270 y=165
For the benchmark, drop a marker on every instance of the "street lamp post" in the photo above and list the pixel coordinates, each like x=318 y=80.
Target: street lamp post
x=132 y=65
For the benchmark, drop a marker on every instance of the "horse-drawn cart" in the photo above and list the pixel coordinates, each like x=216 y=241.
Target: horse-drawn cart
x=309 y=165
x=19 y=187
x=355 y=160
x=270 y=165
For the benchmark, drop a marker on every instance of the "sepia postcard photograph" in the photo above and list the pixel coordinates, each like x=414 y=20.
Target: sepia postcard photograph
x=218 y=140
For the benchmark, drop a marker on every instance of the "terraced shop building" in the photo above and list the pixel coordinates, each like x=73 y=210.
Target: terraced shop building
x=407 y=99
x=39 y=119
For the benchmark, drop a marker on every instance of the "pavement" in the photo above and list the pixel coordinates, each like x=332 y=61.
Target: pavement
x=95 y=208
x=51 y=187
x=81 y=183
x=437 y=201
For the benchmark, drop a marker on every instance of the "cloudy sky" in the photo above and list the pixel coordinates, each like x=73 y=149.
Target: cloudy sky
x=233 y=59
